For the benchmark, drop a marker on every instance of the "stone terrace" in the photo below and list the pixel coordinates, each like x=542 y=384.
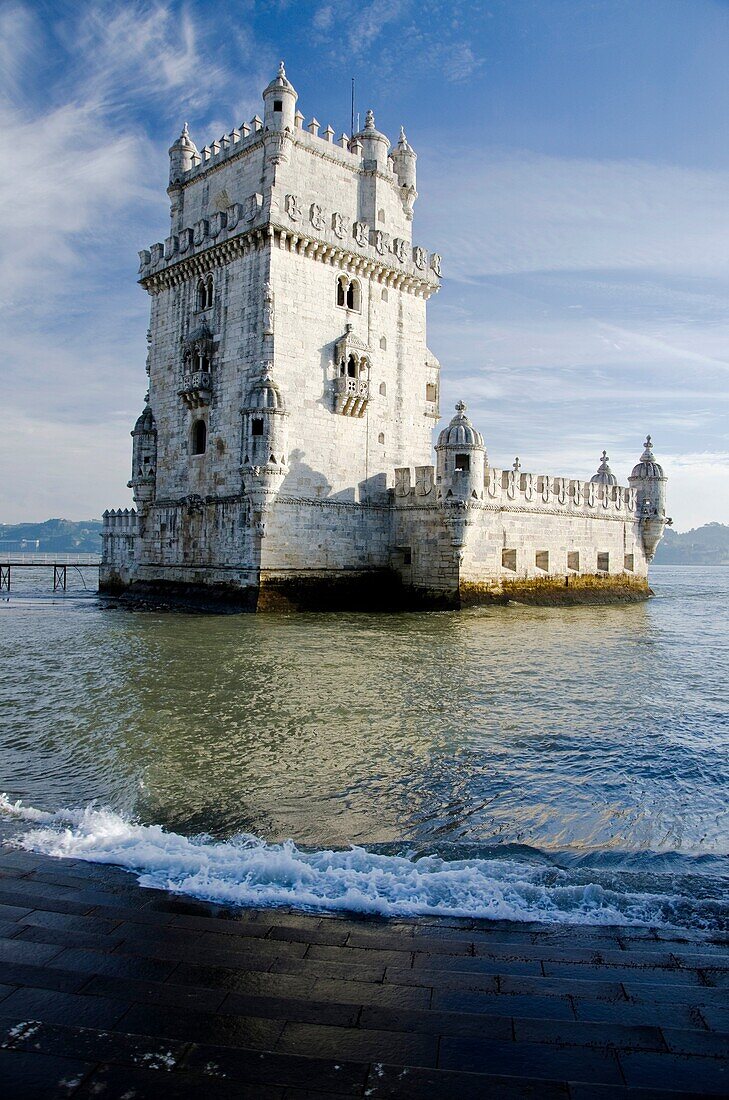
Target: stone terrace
x=109 y=990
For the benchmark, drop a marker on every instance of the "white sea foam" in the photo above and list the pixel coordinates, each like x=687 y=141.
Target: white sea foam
x=249 y=871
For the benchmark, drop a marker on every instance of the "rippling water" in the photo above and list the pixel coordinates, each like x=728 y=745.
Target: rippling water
x=585 y=744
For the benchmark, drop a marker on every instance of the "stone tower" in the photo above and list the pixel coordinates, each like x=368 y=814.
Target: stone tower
x=283 y=457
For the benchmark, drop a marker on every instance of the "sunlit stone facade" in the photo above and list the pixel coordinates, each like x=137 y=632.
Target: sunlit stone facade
x=284 y=455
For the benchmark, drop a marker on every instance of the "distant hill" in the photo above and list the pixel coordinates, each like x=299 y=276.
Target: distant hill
x=707 y=545
x=53 y=535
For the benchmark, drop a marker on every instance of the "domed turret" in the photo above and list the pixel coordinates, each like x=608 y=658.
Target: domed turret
x=144 y=458
x=604 y=475
x=279 y=100
x=649 y=481
x=374 y=144
x=404 y=158
x=264 y=444
x=461 y=459
x=647 y=468
x=183 y=155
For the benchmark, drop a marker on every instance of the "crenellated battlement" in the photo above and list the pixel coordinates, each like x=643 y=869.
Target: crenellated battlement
x=122 y=520
x=514 y=490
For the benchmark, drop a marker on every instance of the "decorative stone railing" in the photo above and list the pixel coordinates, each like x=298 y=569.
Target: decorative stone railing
x=196 y=389
x=352 y=396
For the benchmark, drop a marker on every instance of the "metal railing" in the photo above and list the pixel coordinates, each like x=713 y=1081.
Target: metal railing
x=18 y=557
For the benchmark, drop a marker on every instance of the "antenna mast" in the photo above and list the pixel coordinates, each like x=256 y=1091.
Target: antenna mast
x=351 y=132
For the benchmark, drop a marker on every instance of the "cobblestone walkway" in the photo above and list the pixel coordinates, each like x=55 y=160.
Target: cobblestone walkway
x=108 y=990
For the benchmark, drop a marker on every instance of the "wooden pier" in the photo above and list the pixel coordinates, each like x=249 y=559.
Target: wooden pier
x=58 y=563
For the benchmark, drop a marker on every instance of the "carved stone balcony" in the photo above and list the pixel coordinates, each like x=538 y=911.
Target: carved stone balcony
x=197 y=389
x=352 y=396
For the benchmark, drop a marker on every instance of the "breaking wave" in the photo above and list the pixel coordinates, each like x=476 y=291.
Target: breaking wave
x=248 y=871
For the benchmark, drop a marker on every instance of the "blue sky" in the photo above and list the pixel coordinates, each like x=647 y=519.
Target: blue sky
x=573 y=171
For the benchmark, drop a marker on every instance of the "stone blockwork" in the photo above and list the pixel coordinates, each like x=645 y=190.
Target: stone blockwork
x=291 y=392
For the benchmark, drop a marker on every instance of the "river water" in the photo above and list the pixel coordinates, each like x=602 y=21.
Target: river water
x=555 y=764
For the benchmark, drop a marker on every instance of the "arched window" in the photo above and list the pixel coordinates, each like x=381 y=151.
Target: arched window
x=381 y=437
x=199 y=437
x=384 y=294
x=342 y=290
x=354 y=297
x=380 y=215
x=383 y=343
x=352 y=367
x=383 y=389
x=205 y=293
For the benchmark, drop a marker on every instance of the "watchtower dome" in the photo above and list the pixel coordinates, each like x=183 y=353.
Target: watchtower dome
x=461 y=459
x=279 y=100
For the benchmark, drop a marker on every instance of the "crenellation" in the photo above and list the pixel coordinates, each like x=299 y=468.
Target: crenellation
x=286 y=437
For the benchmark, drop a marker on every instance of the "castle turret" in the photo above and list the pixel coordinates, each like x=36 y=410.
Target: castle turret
x=183 y=155
x=460 y=466
x=264 y=445
x=650 y=482
x=604 y=475
x=144 y=458
x=374 y=144
x=279 y=100
x=461 y=459
x=404 y=158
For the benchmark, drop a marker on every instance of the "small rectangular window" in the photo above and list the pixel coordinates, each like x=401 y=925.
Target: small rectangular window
x=508 y=560
x=257 y=426
x=541 y=560
x=573 y=560
x=629 y=563
x=463 y=462
x=278 y=105
x=603 y=563
x=431 y=392
x=407 y=556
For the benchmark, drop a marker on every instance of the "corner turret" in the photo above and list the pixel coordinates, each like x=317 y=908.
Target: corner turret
x=404 y=158
x=649 y=481
x=460 y=467
x=374 y=145
x=461 y=459
x=264 y=445
x=279 y=100
x=144 y=458
x=183 y=156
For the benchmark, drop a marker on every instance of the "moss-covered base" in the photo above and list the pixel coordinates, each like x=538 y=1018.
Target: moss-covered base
x=372 y=590
x=567 y=591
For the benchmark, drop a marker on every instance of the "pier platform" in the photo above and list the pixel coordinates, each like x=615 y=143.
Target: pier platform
x=111 y=990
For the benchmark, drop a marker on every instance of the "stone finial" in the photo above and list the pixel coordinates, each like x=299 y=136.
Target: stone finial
x=461 y=407
x=370 y=120
x=281 y=70
x=516 y=465
x=648 y=451
x=329 y=134
x=313 y=127
x=604 y=475
x=344 y=141
x=299 y=120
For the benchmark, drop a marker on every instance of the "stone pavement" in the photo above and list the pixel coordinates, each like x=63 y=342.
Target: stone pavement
x=109 y=990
